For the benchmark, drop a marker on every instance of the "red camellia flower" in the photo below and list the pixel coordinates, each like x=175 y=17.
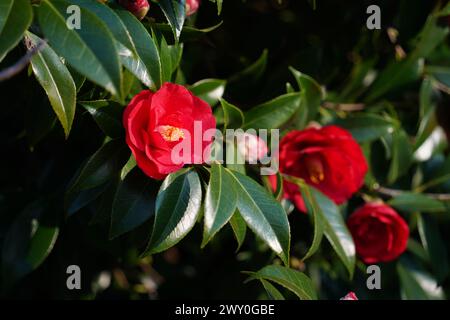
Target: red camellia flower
x=379 y=232
x=327 y=158
x=192 y=6
x=137 y=7
x=156 y=122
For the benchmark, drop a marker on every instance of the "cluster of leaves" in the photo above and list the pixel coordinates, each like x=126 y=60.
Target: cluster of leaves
x=95 y=70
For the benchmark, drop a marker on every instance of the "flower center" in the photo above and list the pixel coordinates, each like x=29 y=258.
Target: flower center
x=315 y=169
x=171 y=133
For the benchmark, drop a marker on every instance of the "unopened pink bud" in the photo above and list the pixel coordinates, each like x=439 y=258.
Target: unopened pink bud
x=251 y=147
x=192 y=6
x=350 y=296
x=137 y=7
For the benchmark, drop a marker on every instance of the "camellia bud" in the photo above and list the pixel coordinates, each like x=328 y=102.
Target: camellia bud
x=251 y=147
x=350 y=296
x=192 y=6
x=137 y=7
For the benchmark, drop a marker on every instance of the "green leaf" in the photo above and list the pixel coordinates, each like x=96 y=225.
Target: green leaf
x=41 y=244
x=291 y=279
x=434 y=245
x=174 y=10
x=312 y=95
x=27 y=242
x=242 y=83
x=239 y=228
x=318 y=216
x=107 y=115
x=111 y=19
x=90 y=50
x=146 y=49
x=187 y=33
x=416 y=202
x=177 y=209
x=427 y=121
x=263 y=214
x=100 y=168
x=274 y=113
x=219 y=5
x=272 y=292
x=57 y=82
x=233 y=116
x=209 y=90
x=15 y=18
x=5 y=10
x=394 y=76
x=416 y=283
x=401 y=155
x=165 y=56
x=336 y=230
x=441 y=74
x=133 y=204
x=366 y=127
x=220 y=202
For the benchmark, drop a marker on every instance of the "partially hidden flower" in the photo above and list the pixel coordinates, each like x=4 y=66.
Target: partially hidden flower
x=157 y=122
x=192 y=6
x=251 y=147
x=349 y=296
x=139 y=8
x=326 y=158
x=379 y=232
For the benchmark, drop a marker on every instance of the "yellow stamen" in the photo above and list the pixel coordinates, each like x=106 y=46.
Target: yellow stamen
x=315 y=170
x=170 y=133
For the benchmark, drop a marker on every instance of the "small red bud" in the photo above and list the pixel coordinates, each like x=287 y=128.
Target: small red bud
x=192 y=6
x=137 y=7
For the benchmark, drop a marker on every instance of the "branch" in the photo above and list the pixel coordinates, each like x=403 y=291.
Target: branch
x=394 y=193
x=21 y=63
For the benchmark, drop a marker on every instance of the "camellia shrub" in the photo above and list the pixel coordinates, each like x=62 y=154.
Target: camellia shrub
x=225 y=149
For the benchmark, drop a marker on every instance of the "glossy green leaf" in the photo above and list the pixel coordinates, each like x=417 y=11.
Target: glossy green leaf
x=233 y=116
x=366 y=127
x=146 y=49
x=107 y=115
x=15 y=18
x=263 y=214
x=312 y=95
x=271 y=291
x=416 y=202
x=27 y=242
x=291 y=279
x=111 y=19
x=336 y=230
x=209 y=90
x=85 y=49
x=239 y=228
x=441 y=74
x=101 y=167
x=274 y=113
x=318 y=217
x=188 y=33
x=57 y=82
x=396 y=75
x=134 y=203
x=5 y=10
x=175 y=12
x=220 y=202
x=401 y=155
x=434 y=245
x=427 y=121
x=177 y=209
x=416 y=283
